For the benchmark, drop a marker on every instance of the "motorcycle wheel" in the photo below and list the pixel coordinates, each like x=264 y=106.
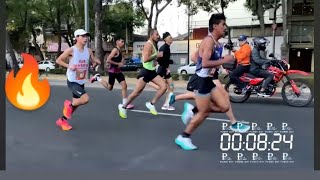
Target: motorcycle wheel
x=235 y=97
x=297 y=101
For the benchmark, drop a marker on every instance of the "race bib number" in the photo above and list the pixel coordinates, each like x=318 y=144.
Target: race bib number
x=81 y=74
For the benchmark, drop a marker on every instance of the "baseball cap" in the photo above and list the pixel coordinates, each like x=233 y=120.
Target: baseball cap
x=242 y=38
x=80 y=32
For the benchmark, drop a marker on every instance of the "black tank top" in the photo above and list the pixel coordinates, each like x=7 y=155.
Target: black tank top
x=116 y=59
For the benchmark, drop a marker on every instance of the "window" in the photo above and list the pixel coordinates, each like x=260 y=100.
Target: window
x=302 y=32
x=302 y=7
x=46 y=62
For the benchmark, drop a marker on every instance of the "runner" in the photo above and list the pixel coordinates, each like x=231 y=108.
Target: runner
x=208 y=97
x=116 y=61
x=78 y=66
x=164 y=71
x=147 y=74
x=190 y=110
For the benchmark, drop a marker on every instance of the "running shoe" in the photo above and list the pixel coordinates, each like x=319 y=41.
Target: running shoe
x=172 y=98
x=239 y=127
x=167 y=107
x=94 y=78
x=185 y=143
x=122 y=111
x=187 y=114
x=151 y=108
x=63 y=124
x=67 y=109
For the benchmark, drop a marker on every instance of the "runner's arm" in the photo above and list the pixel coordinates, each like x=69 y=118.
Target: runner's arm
x=61 y=60
x=206 y=54
x=93 y=59
x=147 y=51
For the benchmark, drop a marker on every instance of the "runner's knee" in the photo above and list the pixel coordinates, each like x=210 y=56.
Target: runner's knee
x=85 y=99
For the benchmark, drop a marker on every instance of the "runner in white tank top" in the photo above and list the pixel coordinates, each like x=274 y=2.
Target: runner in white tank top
x=78 y=67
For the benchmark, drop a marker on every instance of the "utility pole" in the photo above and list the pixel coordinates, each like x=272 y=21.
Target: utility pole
x=274 y=26
x=86 y=20
x=188 y=32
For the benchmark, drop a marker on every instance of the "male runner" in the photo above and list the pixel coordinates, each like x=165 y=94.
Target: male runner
x=163 y=69
x=190 y=110
x=116 y=61
x=208 y=97
x=78 y=66
x=147 y=74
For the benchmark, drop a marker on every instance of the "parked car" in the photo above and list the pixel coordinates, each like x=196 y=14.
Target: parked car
x=46 y=65
x=187 y=69
x=130 y=65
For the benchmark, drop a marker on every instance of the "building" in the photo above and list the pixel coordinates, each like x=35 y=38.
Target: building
x=300 y=34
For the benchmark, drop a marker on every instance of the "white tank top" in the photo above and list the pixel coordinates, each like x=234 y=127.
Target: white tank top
x=81 y=61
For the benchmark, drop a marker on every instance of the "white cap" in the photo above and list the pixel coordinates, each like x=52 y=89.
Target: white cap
x=80 y=32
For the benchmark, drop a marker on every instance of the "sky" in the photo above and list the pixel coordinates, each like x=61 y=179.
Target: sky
x=175 y=20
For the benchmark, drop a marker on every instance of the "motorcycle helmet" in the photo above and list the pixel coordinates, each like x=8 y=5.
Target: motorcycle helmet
x=261 y=43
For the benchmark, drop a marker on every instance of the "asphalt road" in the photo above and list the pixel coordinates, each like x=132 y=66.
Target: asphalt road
x=101 y=140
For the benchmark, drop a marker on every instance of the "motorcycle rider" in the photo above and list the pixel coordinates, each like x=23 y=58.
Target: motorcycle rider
x=243 y=63
x=259 y=64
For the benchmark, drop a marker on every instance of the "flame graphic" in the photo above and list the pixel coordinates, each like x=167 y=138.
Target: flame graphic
x=25 y=91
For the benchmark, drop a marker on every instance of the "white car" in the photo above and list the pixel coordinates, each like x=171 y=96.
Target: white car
x=187 y=69
x=46 y=65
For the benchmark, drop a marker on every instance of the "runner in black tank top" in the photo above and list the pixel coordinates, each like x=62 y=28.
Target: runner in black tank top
x=115 y=59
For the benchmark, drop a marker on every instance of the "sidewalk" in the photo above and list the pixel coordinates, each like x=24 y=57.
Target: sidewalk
x=179 y=85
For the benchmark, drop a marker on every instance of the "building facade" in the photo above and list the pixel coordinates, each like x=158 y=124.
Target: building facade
x=300 y=34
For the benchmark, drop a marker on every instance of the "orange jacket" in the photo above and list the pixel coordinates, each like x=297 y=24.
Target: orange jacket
x=243 y=54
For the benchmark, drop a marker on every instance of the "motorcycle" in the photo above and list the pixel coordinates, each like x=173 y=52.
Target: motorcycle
x=293 y=91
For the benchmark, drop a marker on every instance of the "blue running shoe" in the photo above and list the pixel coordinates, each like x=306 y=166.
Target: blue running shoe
x=239 y=127
x=187 y=114
x=172 y=99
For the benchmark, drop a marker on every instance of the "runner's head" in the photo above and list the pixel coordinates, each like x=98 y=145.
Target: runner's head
x=217 y=25
x=119 y=41
x=167 y=38
x=154 y=35
x=81 y=36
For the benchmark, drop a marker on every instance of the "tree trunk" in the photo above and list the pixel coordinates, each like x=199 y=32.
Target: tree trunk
x=14 y=61
x=261 y=17
x=59 y=28
x=98 y=34
x=36 y=44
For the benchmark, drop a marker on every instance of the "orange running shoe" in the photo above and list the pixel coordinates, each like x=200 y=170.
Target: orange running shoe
x=63 y=124
x=67 y=110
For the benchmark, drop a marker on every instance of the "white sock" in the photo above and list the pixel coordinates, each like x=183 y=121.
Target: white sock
x=99 y=79
x=124 y=100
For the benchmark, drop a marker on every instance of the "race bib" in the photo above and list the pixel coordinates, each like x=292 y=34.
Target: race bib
x=81 y=74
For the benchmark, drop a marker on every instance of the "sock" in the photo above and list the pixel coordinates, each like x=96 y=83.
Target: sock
x=64 y=118
x=235 y=124
x=71 y=106
x=151 y=103
x=124 y=100
x=185 y=135
x=99 y=78
x=195 y=110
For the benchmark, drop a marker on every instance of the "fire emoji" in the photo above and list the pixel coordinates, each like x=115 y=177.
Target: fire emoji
x=25 y=91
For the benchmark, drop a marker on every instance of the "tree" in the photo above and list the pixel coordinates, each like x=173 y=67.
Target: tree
x=258 y=8
x=98 y=33
x=208 y=6
x=154 y=9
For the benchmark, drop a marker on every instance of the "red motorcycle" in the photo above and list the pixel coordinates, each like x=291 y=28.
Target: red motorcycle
x=295 y=92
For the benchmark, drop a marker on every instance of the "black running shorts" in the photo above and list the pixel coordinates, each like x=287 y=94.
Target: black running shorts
x=148 y=75
x=162 y=71
x=76 y=89
x=200 y=84
x=114 y=76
